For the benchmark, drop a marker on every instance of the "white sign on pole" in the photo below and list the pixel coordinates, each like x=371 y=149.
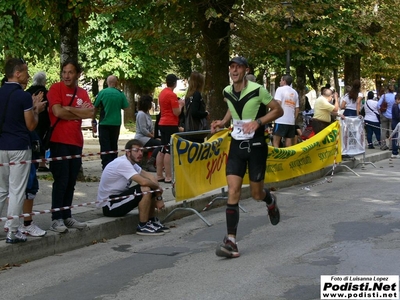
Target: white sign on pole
x=352 y=135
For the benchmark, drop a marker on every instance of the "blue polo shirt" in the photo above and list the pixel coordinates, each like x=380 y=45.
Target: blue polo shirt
x=389 y=98
x=15 y=134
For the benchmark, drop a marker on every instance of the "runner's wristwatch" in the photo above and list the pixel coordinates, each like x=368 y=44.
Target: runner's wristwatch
x=259 y=122
x=159 y=198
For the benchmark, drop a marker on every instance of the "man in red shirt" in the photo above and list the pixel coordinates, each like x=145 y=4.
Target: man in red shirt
x=68 y=104
x=170 y=109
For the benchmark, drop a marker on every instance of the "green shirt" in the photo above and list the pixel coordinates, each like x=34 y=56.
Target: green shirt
x=111 y=101
x=251 y=103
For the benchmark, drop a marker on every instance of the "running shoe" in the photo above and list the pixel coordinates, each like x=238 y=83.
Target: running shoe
x=273 y=211
x=157 y=223
x=32 y=230
x=15 y=237
x=227 y=249
x=72 y=223
x=58 y=226
x=149 y=229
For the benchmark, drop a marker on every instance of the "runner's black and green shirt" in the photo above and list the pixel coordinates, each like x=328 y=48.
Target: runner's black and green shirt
x=251 y=104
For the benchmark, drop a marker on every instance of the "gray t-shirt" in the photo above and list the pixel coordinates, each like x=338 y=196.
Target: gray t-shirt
x=144 y=126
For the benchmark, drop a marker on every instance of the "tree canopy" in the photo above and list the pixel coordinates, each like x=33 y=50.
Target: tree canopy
x=141 y=41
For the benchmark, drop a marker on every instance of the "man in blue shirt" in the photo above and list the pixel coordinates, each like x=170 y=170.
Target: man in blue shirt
x=19 y=115
x=386 y=117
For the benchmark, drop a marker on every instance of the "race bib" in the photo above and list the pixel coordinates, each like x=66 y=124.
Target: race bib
x=237 y=132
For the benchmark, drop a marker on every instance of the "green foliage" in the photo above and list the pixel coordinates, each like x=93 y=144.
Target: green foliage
x=171 y=30
x=48 y=64
x=56 y=13
x=106 y=50
x=22 y=36
x=320 y=34
x=141 y=40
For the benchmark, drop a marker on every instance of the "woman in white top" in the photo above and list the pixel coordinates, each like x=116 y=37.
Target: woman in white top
x=372 y=120
x=352 y=101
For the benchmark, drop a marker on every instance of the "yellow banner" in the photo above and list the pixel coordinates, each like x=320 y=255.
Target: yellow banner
x=306 y=157
x=200 y=168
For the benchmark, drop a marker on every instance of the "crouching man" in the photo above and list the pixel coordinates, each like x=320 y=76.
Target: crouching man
x=116 y=182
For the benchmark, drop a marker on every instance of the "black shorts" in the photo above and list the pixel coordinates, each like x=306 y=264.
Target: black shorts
x=166 y=132
x=318 y=125
x=248 y=153
x=285 y=130
x=126 y=207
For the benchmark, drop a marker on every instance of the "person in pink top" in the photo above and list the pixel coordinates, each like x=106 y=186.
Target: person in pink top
x=170 y=109
x=68 y=105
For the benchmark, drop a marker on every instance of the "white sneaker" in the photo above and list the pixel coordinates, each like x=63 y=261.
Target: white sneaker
x=32 y=230
x=58 y=226
x=72 y=223
x=15 y=237
x=395 y=156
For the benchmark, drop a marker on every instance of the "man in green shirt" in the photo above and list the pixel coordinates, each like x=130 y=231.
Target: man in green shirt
x=109 y=102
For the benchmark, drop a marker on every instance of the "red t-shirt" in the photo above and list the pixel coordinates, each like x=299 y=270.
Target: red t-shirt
x=66 y=131
x=168 y=100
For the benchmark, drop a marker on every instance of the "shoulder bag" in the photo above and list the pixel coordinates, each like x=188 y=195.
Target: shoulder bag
x=384 y=104
x=193 y=124
x=377 y=115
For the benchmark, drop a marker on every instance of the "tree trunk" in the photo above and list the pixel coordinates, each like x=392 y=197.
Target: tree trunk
x=69 y=50
x=95 y=87
x=129 y=91
x=336 y=80
x=378 y=82
x=352 y=68
x=69 y=40
x=313 y=81
x=260 y=77
x=216 y=44
x=301 y=85
x=277 y=82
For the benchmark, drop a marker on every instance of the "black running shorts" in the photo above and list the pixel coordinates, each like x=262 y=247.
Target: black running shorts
x=248 y=153
x=285 y=130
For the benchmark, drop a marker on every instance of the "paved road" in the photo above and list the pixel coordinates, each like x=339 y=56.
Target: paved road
x=348 y=226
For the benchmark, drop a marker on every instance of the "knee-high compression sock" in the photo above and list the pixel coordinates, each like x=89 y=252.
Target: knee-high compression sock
x=268 y=198
x=232 y=218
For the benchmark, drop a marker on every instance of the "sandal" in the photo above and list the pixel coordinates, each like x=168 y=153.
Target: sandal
x=161 y=180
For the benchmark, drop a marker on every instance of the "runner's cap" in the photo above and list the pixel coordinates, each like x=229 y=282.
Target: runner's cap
x=240 y=60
